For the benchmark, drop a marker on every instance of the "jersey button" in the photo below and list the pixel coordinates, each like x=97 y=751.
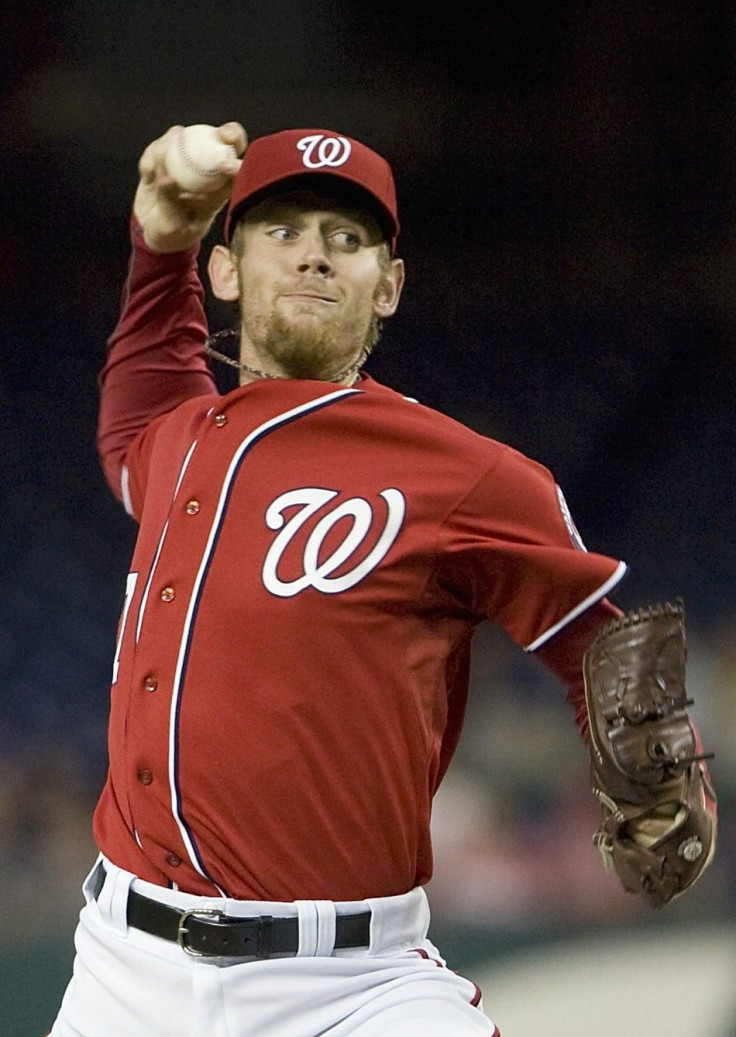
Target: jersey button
x=192 y=507
x=145 y=777
x=220 y=420
x=173 y=859
x=150 y=683
x=168 y=594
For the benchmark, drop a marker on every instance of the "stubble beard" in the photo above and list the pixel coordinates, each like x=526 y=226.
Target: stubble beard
x=306 y=348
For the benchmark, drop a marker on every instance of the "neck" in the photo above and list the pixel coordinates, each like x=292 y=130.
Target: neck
x=347 y=376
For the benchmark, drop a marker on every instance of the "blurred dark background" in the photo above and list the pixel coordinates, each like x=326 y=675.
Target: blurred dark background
x=566 y=185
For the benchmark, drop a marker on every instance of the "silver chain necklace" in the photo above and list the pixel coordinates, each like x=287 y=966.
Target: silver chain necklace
x=233 y=332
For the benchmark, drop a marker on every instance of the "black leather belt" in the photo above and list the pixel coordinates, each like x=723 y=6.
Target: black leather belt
x=204 y=932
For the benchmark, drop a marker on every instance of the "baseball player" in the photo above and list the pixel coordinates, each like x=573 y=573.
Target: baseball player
x=314 y=553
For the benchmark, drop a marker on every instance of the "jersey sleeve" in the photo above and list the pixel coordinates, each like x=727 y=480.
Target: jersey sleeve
x=564 y=653
x=512 y=554
x=156 y=358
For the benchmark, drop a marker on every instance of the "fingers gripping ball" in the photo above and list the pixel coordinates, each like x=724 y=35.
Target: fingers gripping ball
x=647 y=768
x=194 y=156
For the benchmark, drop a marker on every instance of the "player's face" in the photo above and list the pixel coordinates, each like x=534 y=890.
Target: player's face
x=313 y=279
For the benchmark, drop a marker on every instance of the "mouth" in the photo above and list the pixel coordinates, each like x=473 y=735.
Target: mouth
x=310 y=297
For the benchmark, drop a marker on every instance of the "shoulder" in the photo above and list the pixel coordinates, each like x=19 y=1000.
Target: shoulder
x=410 y=415
x=495 y=474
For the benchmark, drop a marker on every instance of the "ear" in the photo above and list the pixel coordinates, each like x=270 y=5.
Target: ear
x=223 y=270
x=389 y=288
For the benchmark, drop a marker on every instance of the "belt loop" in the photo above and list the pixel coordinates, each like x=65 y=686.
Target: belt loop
x=377 y=940
x=326 y=927
x=113 y=899
x=308 y=926
x=94 y=881
x=317 y=927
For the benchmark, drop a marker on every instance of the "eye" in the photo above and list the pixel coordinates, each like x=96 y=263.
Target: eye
x=282 y=233
x=349 y=240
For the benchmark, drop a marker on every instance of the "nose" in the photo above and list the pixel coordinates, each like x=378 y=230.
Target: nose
x=314 y=256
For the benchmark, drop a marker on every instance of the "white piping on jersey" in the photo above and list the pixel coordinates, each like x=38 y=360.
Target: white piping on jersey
x=267 y=426
x=130 y=585
x=125 y=490
x=159 y=546
x=610 y=583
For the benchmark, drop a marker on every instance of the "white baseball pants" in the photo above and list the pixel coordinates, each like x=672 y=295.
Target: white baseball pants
x=127 y=983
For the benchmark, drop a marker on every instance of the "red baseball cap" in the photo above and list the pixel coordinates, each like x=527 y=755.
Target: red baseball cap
x=297 y=153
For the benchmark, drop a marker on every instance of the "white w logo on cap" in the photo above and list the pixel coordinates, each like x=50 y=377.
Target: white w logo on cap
x=324 y=151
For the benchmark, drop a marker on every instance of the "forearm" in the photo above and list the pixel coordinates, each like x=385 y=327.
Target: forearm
x=564 y=653
x=156 y=357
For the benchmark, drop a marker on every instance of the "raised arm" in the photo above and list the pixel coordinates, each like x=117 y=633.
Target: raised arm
x=156 y=358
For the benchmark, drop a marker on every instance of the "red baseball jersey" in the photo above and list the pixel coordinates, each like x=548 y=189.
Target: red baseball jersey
x=291 y=669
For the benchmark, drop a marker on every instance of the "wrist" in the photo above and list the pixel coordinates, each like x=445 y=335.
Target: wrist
x=181 y=246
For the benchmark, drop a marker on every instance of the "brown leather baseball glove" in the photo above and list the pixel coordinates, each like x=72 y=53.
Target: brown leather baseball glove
x=647 y=766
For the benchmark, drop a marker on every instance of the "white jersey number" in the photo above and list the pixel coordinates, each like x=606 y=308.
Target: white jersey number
x=310 y=500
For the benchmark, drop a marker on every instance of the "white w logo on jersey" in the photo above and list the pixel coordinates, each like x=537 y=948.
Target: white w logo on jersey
x=324 y=151
x=316 y=572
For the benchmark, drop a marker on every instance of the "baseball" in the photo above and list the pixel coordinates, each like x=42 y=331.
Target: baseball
x=193 y=157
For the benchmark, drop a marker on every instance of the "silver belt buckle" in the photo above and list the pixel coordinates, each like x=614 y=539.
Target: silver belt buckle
x=182 y=930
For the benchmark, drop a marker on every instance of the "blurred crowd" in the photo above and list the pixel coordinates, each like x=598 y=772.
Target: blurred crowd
x=514 y=819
